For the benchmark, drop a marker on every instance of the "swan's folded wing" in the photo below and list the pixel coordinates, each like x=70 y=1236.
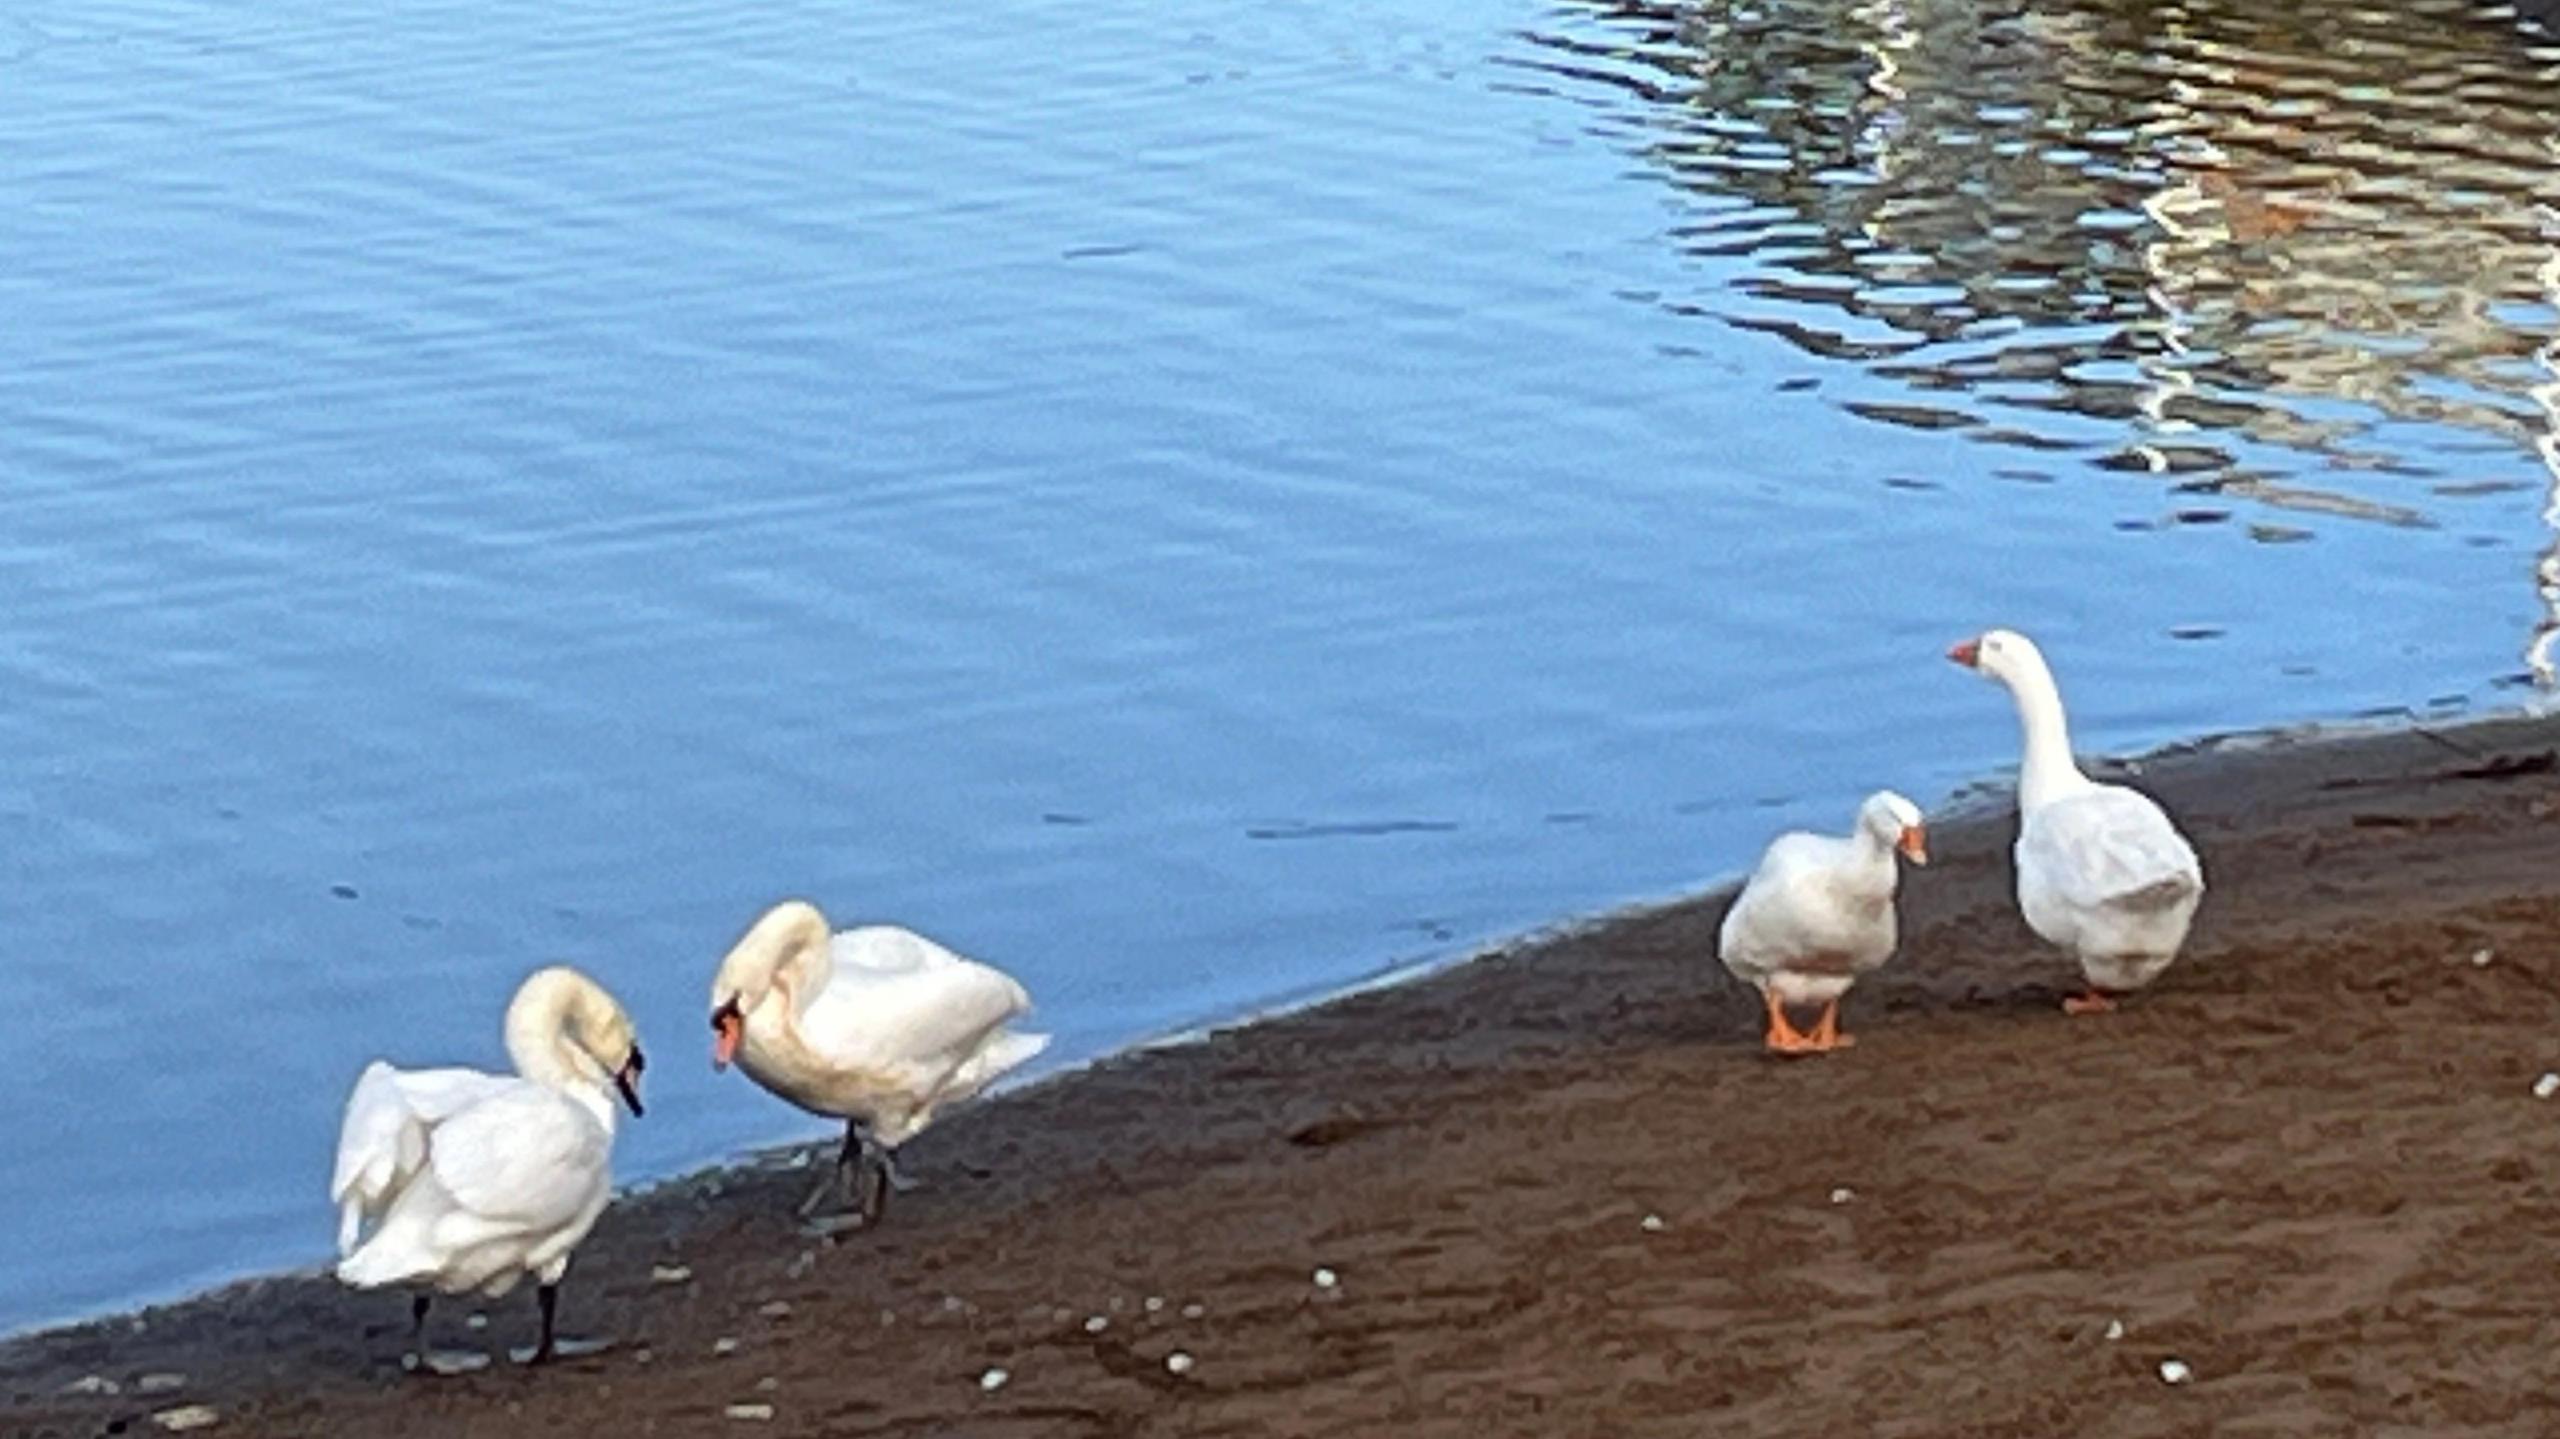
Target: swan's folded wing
x=526 y=1158
x=920 y=1016
x=2110 y=846
x=886 y=949
x=382 y=1142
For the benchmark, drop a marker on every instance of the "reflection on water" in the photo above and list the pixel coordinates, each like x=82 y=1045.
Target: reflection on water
x=2253 y=250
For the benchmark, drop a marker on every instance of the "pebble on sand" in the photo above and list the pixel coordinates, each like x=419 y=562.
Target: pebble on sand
x=2547 y=1086
x=1326 y=1279
x=669 y=1273
x=1177 y=1362
x=2115 y=1329
x=1194 y=1311
x=724 y=1345
x=776 y=1310
x=187 y=1417
x=2175 y=1371
x=1650 y=1224
x=1843 y=1194
x=994 y=1379
x=756 y=1412
x=167 y=1383
x=2480 y=958
x=93 y=1384
x=1096 y=1324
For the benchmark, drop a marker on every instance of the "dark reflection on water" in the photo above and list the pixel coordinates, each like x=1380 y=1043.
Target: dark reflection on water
x=2298 y=257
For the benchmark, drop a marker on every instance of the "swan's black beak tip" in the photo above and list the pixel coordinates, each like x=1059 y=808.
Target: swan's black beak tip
x=627 y=1079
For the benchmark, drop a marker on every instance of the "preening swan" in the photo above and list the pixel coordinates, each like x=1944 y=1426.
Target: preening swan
x=455 y=1181
x=877 y=1026
x=1818 y=914
x=2102 y=872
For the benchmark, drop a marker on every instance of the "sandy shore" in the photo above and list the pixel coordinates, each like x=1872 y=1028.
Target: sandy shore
x=1562 y=1193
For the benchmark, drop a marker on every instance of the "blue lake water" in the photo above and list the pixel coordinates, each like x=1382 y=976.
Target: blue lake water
x=1194 y=505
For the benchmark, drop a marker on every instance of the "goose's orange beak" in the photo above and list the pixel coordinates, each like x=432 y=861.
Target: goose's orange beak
x=727 y=1028
x=1914 y=843
x=1967 y=654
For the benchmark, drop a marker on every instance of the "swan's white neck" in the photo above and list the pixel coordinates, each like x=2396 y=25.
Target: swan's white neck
x=539 y=1044
x=2047 y=772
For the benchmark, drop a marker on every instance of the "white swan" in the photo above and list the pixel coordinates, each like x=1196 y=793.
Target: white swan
x=877 y=1026
x=455 y=1181
x=1818 y=914
x=2102 y=872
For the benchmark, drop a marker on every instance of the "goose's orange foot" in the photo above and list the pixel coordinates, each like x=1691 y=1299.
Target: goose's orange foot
x=1827 y=1033
x=2095 y=1001
x=1784 y=1037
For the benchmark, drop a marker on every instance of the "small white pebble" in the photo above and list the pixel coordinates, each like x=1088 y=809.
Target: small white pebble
x=1154 y=1304
x=776 y=1310
x=2115 y=1329
x=724 y=1345
x=1096 y=1324
x=93 y=1384
x=2480 y=958
x=2175 y=1371
x=476 y=1321
x=1326 y=1279
x=757 y=1412
x=1650 y=1224
x=669 y=1274
x=993 y=1380
x=1177 y=1362
x=1194 y=1311
x=767 y=1384
x=2547 y=1086
x=159 y=1383
x=186 y=1417
x=1843 y=1194
x=643 y=1356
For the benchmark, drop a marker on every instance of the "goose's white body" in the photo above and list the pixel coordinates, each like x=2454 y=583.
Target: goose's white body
x=460 y=1181
x=1815 y=917
x=877 y=1025
x=2103 y=873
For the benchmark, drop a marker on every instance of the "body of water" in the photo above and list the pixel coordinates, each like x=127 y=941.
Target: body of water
x=1193 y=505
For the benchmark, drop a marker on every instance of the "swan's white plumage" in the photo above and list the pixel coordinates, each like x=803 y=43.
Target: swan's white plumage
x=461 y=1181
x=876 y=1024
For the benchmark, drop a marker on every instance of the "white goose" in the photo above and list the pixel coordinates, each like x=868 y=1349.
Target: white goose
x=2102 y=871
x=1817 y=915
x=878 y=1026
x=455 y=1181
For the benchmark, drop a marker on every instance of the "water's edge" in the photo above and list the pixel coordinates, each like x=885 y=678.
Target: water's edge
x=1983 y=800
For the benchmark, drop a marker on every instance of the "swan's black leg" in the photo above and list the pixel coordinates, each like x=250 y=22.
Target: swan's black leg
x=872 y=1191
x=549 y=1296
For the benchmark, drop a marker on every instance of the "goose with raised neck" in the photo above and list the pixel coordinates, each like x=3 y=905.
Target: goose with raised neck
x=2102 y=871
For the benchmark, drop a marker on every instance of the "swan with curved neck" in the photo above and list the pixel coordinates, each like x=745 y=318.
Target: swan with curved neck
x=877 y=1026
x=1817 y=915
x=456 y=1181
x=2102 y=870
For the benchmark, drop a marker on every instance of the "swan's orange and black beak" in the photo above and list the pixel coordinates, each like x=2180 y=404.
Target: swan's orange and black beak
x=1967 y=654
x=627 y=1079
x=728 y=1027
x=1914 y=843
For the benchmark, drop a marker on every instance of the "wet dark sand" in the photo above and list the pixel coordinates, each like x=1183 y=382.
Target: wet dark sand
x=2309 y=1165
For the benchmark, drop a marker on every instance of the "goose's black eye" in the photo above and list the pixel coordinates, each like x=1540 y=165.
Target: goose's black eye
x=725 y=1015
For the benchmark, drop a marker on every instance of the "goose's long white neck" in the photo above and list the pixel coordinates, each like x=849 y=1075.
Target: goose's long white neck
x=2047 y=772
